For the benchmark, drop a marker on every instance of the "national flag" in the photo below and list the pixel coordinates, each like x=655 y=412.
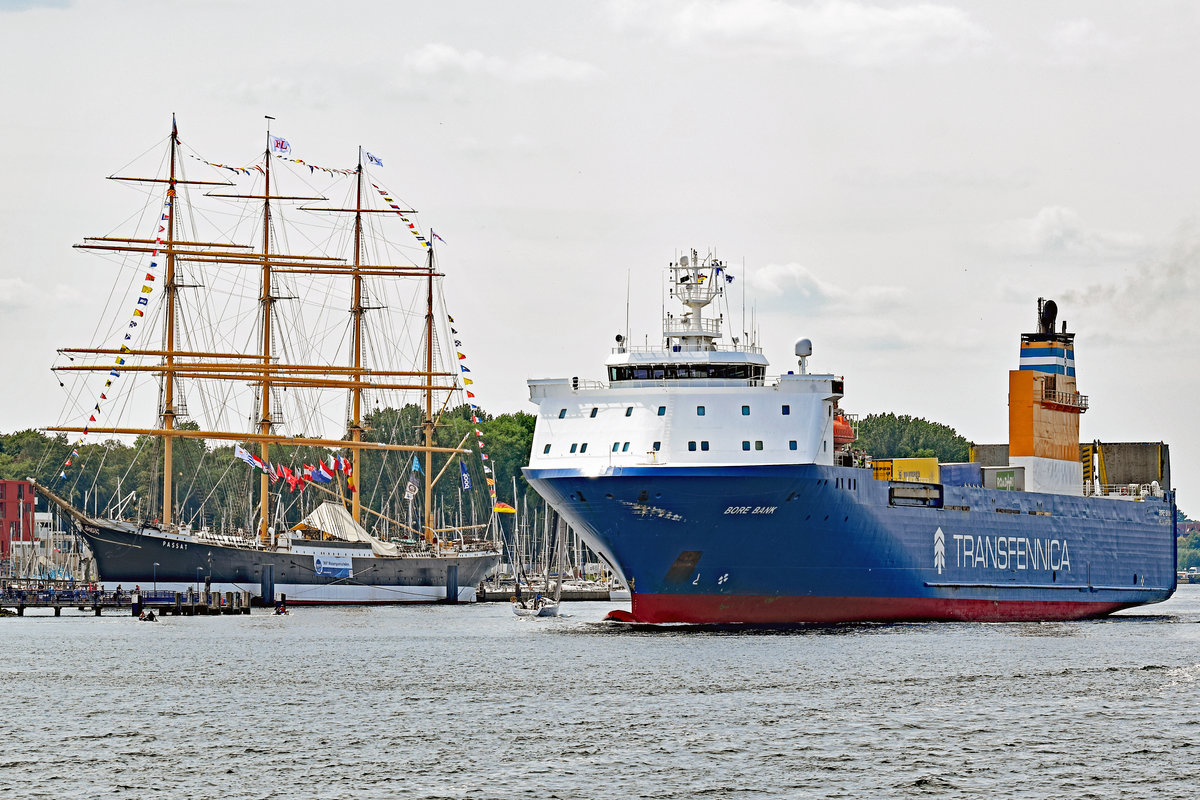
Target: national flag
x=321 y=473
x=68 y=462
x=281 y=145
x=240 y=452
x=75 y=453
x=478 y=432
x=374 y=160
x=466 y=479
x=410 y=491
x=487 y=469
x=484 y=456
x=503 y=508
x=490 y=481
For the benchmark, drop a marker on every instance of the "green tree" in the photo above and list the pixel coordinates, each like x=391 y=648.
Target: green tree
x=892 y=436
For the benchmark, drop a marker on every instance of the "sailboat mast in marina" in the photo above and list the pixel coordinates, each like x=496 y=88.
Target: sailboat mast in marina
x=271 y=361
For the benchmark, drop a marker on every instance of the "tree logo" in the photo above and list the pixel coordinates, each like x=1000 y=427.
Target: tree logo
x=939 y=550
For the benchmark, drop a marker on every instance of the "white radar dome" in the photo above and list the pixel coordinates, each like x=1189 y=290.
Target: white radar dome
x=804 y=347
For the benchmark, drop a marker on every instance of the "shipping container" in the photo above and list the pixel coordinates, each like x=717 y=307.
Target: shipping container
x=882 y=469
x=965 y=473
x=916 y=470
x=1005 y=478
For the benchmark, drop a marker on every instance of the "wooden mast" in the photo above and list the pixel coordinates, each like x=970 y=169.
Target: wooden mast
x=168 y=410
x=264 y=483
x=427 y=424
x=356 y=308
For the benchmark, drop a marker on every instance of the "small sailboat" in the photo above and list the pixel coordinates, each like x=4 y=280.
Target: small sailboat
x=540 y=605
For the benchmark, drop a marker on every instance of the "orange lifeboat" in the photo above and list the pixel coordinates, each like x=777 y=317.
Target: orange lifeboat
x=843 y=431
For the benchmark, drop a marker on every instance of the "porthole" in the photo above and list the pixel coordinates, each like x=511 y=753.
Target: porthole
x=704 y=445
x=745 y=444
x=792 y=444
x=786 y=410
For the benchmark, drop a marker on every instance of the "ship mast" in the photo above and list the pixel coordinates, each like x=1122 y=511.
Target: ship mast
x=168 y=412
x=427 y=425
x=356 y=308
x=264 y=483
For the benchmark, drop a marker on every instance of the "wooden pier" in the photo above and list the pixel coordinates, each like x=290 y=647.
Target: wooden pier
x=185 y=604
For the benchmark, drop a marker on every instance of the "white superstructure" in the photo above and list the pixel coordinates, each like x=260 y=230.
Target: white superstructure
x=690 y=401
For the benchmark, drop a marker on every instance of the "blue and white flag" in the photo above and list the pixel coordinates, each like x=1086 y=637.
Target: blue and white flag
x=374 y=160
x=466 y=479
x=281 y=145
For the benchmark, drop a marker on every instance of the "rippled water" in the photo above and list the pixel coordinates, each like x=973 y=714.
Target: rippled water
x=442 y=702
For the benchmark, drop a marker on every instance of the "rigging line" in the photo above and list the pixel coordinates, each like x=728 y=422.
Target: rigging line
x=213 y=491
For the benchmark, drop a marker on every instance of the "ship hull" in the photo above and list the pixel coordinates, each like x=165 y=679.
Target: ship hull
x=130 y=556
x=795 y=544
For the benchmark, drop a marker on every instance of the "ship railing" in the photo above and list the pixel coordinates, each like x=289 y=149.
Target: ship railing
x=681 y=326
x=1066 y=399
x=705 y=382
x=683 y=348
x=1122 y=491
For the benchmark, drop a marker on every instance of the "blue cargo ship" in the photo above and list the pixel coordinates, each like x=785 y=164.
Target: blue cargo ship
x=723 y=495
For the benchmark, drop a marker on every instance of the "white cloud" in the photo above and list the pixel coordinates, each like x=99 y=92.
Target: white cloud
x=840 y=31
x=1080 y=42
x=1059 y=231
x=1159 y=297
x=442 y=59
x=797 y=282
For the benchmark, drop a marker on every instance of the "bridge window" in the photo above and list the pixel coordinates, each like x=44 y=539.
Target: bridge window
x=625 y=447
x=615 y=446
x=662 y=411
x=692 y=447
x=574 y=447
x=786 y=410
x=699 y=411
x=629 y=411
x=546 y=450
x=583 y=448
x=594 y=410
x=562 y=413
x=658 y=445
x=704 y=445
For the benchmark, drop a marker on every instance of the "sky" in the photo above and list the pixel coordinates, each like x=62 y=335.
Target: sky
x=899 y=182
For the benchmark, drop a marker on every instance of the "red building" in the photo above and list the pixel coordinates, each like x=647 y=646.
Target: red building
x=16 y=515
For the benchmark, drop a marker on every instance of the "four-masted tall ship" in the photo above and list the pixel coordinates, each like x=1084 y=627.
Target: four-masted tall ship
x=329 y=557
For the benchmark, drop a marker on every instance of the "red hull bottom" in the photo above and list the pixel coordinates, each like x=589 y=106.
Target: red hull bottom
x=762 y=610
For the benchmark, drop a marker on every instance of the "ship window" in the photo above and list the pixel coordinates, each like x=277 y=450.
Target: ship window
x=583 y=447
x=699 y=411
x=658 y=445
x=745 y=411
x=692 y=446
x=745 y=445
x=562 y=413
x=574 y=447
x=704 y=445
x=546 y=450
x=615 y=446
x=786 y=410
x=625 y=447
x=594 y=410
x=757 y=444
x=629 y=411
x=662 y=411
x=792 y=444
x=826 y=446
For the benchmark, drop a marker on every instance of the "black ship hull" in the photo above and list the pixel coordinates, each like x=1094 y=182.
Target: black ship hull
x=318 y=573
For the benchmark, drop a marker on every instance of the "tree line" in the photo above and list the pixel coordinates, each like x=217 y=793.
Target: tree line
x=212 y=487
